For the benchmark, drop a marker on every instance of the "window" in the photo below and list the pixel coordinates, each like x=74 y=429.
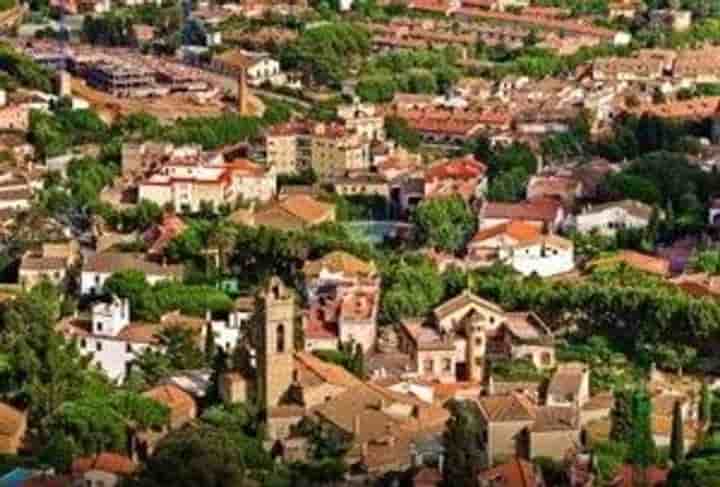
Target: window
x=447 y=365
x=83 y=343
x=128 y=348
x=98 y=346
x=98 y=326
x=428 y=366
x=478 y=341
x=280 y=339
x=478 y=361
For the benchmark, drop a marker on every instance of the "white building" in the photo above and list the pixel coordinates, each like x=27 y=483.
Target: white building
x=548 y=256
x=114 y=341
x=607 y=219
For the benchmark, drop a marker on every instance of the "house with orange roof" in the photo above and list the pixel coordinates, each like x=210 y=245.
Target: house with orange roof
x=464 y=176
x=516 y=472
x=522 y=246
x=189 y=179
x=547 y=213
x=107 y=469
x=343 y=304
x=288 y=212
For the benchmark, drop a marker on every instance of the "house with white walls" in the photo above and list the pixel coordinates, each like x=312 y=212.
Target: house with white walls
x=114 y=340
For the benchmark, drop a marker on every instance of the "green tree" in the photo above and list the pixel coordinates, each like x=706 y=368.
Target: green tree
x=398 y=129
x=204 y=456
x=446 y=223
x=411 y=287
x=707 y=261
x=44 y=370
x=621 y=416
x=677 y=441
x=464 y=452
x=642 y=446
x=705 y=406
x=696 y=472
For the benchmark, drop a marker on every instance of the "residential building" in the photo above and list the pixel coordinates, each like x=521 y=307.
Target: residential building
x=288 y=212
x=569 y=386
x=344 y=297
x=608 y=218
x=522 y=246
x=104 y=469
x=334 y=149
x=456 y=341
x=513 y=473
x=258 y=66
x=98 y=267
x=51 y=263
x=288 y=147
x=465 y=177
x=14 y=426
x=114 y=341
x=545 y=213
x=567 y=189
x=364 y=119
x=515 y=426
x=188 y=180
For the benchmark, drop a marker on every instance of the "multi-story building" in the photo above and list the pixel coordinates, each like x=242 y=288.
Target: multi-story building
x=288 y=147
x=608 y=218
x=115 y=341
x=190 y=180
x=464 y=332
x=334 y=149
x=344 y=295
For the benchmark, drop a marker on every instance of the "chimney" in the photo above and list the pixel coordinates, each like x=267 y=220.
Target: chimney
x=356 y=426
x=242 y=93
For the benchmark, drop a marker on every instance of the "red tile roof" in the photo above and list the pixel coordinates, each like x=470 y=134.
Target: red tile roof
x=515 y=473
x=464 y=168
x=105 y=462
x=541 y=209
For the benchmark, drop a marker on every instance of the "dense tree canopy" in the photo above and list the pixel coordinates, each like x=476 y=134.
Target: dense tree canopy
x=445 y=223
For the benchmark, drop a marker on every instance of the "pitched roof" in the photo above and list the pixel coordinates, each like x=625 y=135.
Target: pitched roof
x=460 y=301
x=635 y=208
x=552 y=418
x=340 y=262
x=515 y=473
x=178 y=401
x=109 y=262
x=11 y=420
x=541 y=209
x=463 y=168
x=517 y=230
x=105 y=462
x=513 y=407
x=567 y=380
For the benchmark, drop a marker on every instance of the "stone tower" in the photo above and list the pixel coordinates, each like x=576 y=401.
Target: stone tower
x=242 y=93
x=275 y=363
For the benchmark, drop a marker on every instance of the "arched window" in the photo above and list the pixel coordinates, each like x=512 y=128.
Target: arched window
x=280 y=339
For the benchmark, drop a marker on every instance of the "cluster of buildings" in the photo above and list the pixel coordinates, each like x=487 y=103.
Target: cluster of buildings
x=118 y=71
x=188 y=178
x=519 y=12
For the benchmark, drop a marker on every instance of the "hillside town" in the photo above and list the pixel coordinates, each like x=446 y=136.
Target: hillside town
x=391 y=243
